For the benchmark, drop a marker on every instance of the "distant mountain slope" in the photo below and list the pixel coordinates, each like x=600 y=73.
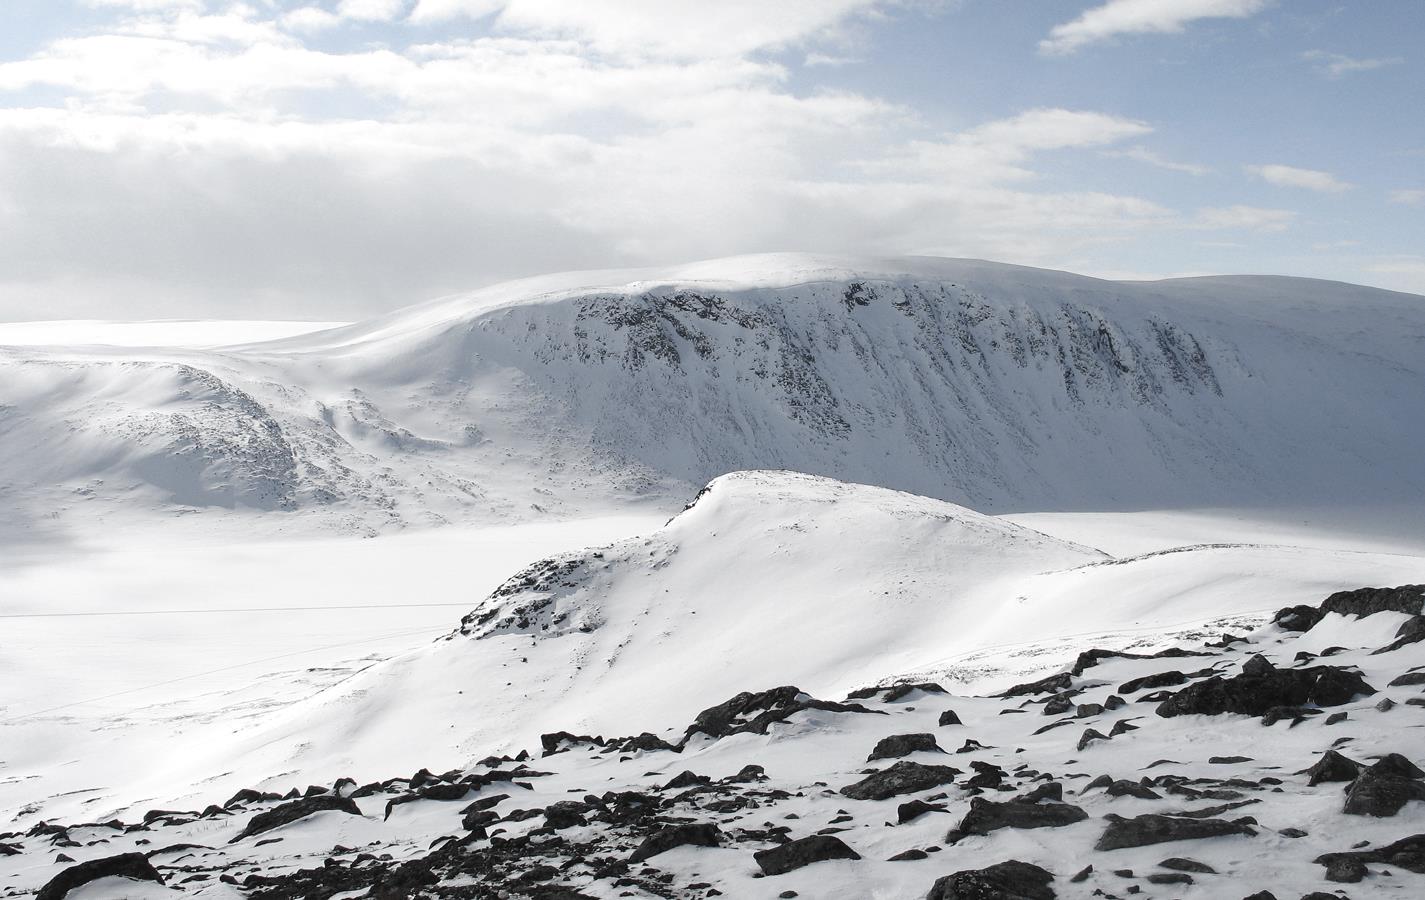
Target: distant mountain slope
x=1001 y=387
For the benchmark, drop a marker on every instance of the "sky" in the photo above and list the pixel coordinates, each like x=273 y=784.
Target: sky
x=332 y=159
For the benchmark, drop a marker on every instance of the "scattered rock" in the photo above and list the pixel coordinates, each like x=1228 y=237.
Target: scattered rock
x=756 y=712
x=898 y=745
x=1141 y=831
x=1125 y=788
x=1384 y=788
x=1345 y=869
x=803 y=852
x=1159 y=680
x=914 y=809
x=699 y=834
x=1009 y=880
x=125 y=865
x=1408 y=599
x=904 y=777
x=896 y=691
x=1050 y=685
x=1256 y=692
x=1407 y=853
x=1183 y=864
x=986 y=815
x=294 y=810
x=1332 y=766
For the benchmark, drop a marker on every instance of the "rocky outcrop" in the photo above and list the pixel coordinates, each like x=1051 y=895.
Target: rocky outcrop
x=1260 y=688
x=294 y=810
x=756 y=712
x=124 y=865
x=986 y=815
x=1009 y=880
x=902 y=778
x=898 y=745
x=1141 y=831
x=794 y=855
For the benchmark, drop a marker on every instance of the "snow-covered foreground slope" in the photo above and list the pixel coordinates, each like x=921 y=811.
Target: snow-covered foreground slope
x=770 y=578
x=1005 y=388
x=1281 y=760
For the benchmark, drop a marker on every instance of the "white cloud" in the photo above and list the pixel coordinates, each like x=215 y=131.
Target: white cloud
x=1335 y=245
x=677 y=28
x=147 y=5
x=429 y=11
x=1291 y=176
x=460 y=161
x=1338 y=64
x=997 y=151
x=1245 y=218
x=1409 y=196
x=1117 y=17
x=310 y=18
x=1144 y=155
x=1401 y=273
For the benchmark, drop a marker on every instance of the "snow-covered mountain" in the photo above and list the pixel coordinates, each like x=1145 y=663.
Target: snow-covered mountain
x=769 y=578
x=1001 y=387
x=697 y=710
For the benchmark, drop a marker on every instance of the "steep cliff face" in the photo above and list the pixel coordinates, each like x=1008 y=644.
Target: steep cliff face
x=925 y=386
x=999 y=387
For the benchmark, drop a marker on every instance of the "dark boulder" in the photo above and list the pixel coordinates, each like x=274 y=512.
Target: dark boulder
x=986 y=815
x=1412 y=631
x=125 y=865
x=903 y=777
x=293 y=810
x=1408 y=599
x=1406 y=853
x=1170 y=878
x=1345 y=870
x=697 y=834
x=898 y=745
x=1090 y=658
x=1297 y=618
x=1409 y=679
x=803 y=852
x=1125 y=788
x=1332 y=766
x=1157 y=680
x=1009 y=880
x=948 y=717
x=1050 y=685
x=1141 y=831
x=1182 y=864
x=685 y=779
x=1383 y=789
x=914 y=809
x=756 y=712
x=565 y=814
x=895 y=692
x=1264 y=687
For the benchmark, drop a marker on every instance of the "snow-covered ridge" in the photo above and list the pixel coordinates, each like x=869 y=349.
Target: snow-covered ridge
x=770 y=578
x=1001 y=387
